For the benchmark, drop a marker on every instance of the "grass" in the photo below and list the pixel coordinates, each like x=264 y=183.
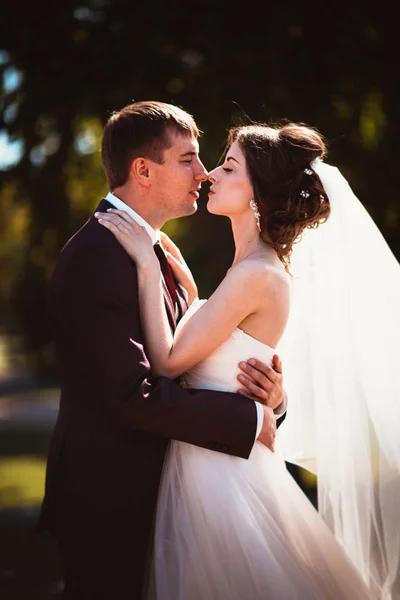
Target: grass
x=21 y=481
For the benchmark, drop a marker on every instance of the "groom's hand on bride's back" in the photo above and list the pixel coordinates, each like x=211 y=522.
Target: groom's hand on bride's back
x=263 y=383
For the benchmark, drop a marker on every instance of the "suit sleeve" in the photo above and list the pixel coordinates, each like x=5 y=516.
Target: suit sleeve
x=98 y=324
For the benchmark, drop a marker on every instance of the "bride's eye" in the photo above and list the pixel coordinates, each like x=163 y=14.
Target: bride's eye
x=227 y=170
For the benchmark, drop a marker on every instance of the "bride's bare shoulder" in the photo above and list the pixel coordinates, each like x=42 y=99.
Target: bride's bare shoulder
x=261 y=273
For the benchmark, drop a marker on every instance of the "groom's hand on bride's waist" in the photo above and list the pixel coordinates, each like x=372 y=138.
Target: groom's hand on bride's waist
x=263 y=383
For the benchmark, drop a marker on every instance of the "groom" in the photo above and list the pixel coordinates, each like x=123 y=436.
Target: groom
x=115 y=418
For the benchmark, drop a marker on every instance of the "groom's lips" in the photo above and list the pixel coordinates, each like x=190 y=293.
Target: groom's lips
x=195 y=194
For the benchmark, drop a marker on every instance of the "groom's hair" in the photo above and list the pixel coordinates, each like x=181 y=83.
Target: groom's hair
x=141 y=129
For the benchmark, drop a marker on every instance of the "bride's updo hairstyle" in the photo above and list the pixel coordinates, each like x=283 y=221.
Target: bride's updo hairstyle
x=288 y=193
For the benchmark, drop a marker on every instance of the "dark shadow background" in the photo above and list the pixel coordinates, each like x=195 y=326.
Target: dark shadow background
x=64 y=68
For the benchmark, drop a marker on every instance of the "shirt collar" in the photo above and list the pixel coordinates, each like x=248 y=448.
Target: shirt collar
x=112 y=199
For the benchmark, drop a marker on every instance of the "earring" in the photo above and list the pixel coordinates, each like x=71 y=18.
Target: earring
x=256 y=212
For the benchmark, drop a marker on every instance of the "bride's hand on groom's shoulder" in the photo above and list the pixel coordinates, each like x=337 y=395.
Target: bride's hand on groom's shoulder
x=171 y=248
x=132 y=236
x=181 y=271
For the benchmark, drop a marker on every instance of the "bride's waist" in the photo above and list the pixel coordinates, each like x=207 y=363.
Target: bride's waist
x=205 y=381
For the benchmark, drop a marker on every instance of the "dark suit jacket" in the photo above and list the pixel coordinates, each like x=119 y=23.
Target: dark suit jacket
x=115 y=418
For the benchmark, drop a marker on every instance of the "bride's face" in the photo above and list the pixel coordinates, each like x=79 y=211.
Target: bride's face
x=231 y=190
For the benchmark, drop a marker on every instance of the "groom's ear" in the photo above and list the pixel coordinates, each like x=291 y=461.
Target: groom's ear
x=140 y=171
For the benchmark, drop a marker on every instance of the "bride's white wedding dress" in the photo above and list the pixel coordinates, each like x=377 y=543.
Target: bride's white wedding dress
x=234 y=529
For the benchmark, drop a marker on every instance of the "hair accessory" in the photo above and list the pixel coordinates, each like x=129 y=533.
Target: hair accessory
x=254 y=208
x=305 y=194
x=308 y=171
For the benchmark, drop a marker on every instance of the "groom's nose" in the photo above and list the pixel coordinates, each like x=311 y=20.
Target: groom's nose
x=201 y=173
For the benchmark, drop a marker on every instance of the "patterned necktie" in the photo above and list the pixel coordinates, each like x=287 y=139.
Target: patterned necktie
x=166 y=270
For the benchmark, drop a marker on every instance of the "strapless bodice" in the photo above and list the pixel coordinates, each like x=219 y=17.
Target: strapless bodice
x=220 y=369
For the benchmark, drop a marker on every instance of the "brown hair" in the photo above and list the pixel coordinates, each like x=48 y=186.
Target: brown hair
x=287 y=191
x=141 y=129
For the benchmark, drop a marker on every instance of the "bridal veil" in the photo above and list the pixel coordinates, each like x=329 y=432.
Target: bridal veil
x=341 y=359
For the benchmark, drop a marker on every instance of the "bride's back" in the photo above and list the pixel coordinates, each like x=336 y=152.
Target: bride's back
x=267 y=323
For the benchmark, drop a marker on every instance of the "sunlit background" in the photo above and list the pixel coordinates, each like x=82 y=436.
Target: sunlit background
x=63 y=68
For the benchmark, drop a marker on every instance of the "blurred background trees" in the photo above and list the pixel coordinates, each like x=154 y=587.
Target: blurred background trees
x=66 y=66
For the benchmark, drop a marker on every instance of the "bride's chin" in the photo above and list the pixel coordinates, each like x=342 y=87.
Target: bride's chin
x=213 y=209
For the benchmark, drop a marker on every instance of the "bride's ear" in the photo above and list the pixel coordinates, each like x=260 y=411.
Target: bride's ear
x=140 y=171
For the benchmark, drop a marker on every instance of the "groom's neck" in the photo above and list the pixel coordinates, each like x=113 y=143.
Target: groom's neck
x=141 y=204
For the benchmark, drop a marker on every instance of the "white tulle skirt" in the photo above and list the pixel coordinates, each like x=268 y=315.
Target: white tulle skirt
x=234 y=529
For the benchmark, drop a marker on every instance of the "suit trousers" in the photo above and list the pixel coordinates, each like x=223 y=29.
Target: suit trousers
x=104 y=559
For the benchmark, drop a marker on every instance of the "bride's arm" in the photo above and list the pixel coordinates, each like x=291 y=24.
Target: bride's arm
x=234 y=299
x=204 y=331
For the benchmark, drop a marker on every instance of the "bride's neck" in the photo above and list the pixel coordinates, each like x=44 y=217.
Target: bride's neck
x=246 y=237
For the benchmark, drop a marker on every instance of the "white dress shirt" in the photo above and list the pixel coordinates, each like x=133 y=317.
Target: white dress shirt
x=155 y=237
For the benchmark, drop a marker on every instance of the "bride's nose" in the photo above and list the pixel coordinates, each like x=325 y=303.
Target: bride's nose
x=211 y=176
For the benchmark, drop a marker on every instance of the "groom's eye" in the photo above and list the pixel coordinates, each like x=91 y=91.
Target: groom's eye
x=188 y=162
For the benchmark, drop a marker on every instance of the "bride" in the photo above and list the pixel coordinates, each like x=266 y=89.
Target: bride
x=229 y=528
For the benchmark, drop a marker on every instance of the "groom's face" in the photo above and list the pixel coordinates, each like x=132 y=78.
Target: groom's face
x=177 y=181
